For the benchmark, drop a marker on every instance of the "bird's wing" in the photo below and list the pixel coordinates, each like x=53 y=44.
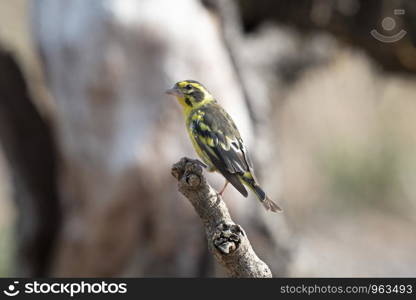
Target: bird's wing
x=218 y=137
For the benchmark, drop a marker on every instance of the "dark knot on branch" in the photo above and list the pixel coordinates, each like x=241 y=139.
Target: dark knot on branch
x=188 y=172
x=227 y=237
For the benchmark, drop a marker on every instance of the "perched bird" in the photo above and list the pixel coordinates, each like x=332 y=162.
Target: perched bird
x=216 y=139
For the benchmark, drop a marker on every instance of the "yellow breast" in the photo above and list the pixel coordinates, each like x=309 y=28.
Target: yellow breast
x=192 y=116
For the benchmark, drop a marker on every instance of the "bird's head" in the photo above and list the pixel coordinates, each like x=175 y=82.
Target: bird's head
x=190 y=94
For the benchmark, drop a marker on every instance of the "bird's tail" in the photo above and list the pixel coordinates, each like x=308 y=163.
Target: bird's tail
x=261 y=195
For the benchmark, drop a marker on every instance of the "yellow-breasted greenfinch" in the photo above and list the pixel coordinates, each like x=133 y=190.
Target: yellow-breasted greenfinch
x=216 y=139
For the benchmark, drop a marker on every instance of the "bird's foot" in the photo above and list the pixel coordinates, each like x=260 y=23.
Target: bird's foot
x=223 y=189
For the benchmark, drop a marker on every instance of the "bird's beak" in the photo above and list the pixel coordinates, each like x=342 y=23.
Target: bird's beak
x=174 y=92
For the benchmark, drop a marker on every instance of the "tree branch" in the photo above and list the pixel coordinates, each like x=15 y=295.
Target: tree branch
x=226 y=240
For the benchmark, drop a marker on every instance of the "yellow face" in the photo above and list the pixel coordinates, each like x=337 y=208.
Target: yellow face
x=190 y=94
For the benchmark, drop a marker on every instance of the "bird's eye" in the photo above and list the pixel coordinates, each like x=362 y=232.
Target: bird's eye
x=188 y=87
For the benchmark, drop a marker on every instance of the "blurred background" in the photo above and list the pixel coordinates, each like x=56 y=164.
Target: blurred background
x=323 y=92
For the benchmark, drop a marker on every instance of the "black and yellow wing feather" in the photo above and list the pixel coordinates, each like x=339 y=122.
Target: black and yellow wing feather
x=218 y=142
x=218 y=138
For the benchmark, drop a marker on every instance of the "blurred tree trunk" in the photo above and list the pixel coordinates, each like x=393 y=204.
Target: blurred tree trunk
x=350 y=21
x=107 y=65
x=29 y=147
